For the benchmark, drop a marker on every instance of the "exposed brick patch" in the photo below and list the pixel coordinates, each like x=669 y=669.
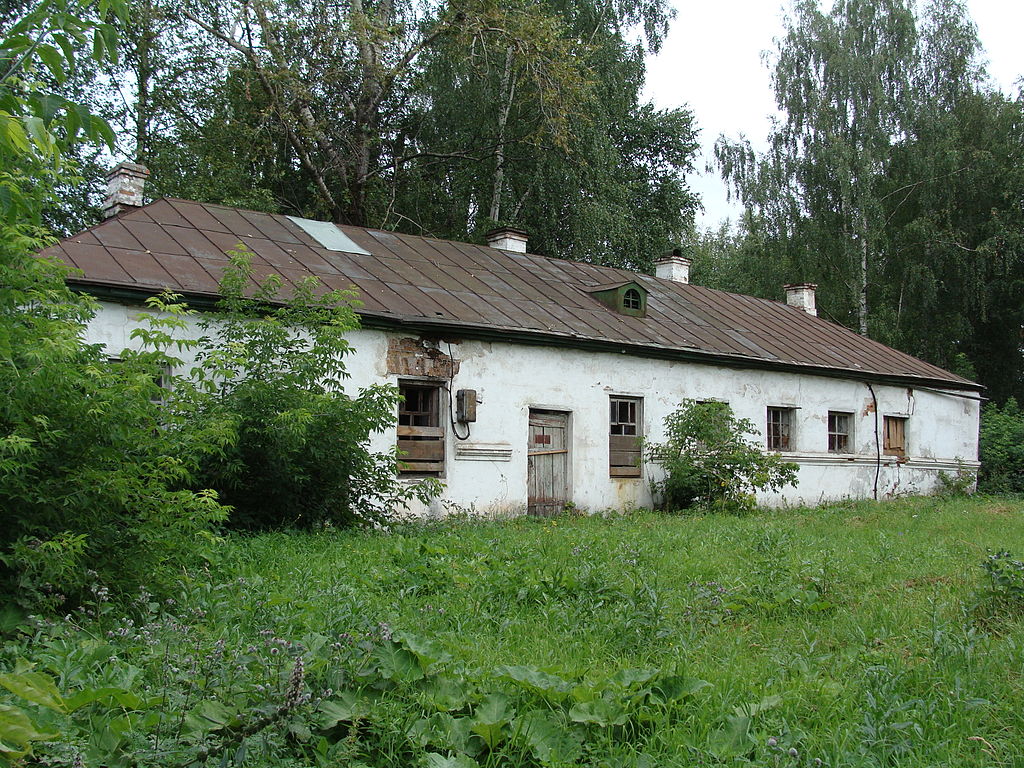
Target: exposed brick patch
x=409 y=357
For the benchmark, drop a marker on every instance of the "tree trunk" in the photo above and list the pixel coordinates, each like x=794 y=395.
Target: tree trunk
x=862 y=307
x=507 y=93
x=367 y=112
x=144 y=70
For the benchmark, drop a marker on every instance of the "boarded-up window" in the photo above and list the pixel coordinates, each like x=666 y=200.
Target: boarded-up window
x=839 y=431
x=624 y=434
x=779 y=432
x=894 y=442
x=420 y=434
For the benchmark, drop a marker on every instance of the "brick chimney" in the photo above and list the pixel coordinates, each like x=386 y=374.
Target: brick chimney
x=673 y=266
x=507 y=239
x=125 y=184
x=801 y=296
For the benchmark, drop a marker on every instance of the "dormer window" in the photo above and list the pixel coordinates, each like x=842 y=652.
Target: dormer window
x=626 y=298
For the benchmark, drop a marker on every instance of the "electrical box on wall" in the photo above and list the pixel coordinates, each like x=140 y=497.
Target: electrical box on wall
x=465 y=405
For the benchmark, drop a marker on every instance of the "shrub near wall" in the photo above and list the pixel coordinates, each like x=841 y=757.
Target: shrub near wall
x=711 y=463
x=270 y=375
x=1001 y=448
x=91 y=466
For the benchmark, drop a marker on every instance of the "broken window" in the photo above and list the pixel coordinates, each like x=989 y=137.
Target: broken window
x=420 y=434
x=894 y=442
x=780 y=429
x=625 y=431
x=839 y=431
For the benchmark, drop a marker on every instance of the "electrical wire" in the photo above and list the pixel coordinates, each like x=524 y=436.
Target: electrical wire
x=451 y=404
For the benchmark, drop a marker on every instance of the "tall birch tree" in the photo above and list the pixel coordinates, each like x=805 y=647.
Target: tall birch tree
x=842 y=83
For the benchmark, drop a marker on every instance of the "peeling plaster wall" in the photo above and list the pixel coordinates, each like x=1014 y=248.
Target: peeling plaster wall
x=510 y=379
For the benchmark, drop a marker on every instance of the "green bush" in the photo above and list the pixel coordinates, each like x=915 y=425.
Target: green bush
x=90 y=476
x=269 y=377
x=89 y=487
x=1002 y=448
x=710 y=463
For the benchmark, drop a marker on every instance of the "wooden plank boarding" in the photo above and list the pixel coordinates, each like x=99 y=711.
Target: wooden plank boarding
x=547 y=463
x=421 y=450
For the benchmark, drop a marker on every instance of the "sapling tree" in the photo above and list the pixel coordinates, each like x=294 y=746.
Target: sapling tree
x=711 y=463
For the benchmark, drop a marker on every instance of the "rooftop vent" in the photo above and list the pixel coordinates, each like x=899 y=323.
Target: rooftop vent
x=673 y=266
x=801 y=296
x=507 y=239
x=125 y=185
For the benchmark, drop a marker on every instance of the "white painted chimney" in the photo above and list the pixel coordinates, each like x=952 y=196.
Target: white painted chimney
x=801 y=296
x=673 y=266
x=507 y=239
x=125 y=185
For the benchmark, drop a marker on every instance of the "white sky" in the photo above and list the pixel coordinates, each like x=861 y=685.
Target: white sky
x=712 y=62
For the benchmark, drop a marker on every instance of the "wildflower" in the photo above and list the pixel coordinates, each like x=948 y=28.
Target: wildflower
x=793 y=753
x=294 y=697
x=772 y=741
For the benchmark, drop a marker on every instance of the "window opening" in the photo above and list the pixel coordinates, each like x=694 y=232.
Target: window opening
x=839 y=431
x=631 y=299
x=162 y=379
x=894 y=441
x=625 y=430
x=780 y=429
x=420 y=434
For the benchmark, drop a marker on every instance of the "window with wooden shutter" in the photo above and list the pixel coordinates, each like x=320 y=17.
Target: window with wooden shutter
x=625 y=431
x=894 y=441
x=420 y=434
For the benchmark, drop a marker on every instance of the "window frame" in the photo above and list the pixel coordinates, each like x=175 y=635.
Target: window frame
x=423 y=443
x=833 y=433
x=625 y=457
x=889 y=430
x=780 y=440
x=632 y=300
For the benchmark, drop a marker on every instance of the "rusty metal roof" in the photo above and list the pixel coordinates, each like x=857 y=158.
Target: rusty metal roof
x=473 y=289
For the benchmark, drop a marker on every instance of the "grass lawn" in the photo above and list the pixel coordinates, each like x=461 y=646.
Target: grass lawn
x=855 y=635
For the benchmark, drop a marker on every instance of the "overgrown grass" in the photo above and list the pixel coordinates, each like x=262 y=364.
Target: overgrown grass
x=858 y=634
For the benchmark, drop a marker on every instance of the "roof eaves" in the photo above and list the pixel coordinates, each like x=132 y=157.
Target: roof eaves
x=390 y=321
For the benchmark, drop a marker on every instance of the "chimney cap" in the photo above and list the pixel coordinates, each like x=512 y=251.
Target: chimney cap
x=676 y=254
x=499 y=232
x=507 y=239
x=800 y=286
x=126 y=168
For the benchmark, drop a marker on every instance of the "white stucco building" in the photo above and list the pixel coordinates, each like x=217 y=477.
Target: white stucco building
x=529 y=380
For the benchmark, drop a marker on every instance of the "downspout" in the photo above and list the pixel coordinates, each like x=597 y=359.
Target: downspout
x=878 y=448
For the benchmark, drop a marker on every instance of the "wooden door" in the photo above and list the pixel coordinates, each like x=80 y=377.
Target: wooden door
x=548 y=463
